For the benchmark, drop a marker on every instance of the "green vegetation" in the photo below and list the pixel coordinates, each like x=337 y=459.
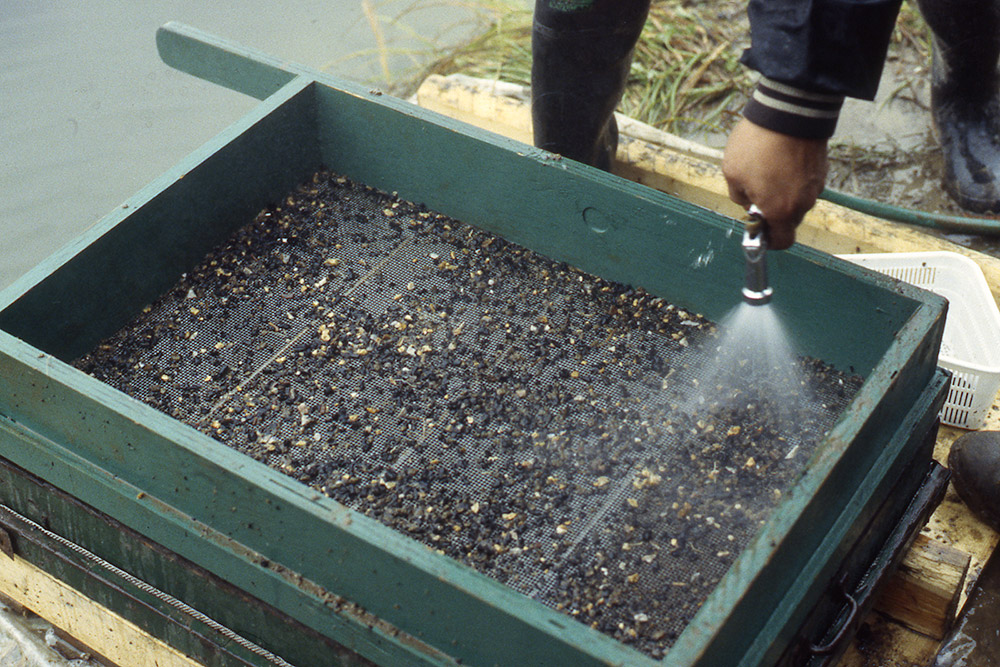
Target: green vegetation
x=686 y=76
x=685 y=72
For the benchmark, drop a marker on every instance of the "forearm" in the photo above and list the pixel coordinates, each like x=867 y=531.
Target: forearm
x=812 y=54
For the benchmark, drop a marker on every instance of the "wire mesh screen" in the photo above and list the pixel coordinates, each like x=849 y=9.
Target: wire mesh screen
x=514 y=413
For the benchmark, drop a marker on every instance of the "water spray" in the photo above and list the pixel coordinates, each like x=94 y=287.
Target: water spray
x=756 y=290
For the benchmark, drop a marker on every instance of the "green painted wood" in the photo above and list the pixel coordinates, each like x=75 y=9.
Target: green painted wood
x=808 y=516
x=229 y=514
x=383 y=645
x=898 y=468
x=132 y=552
x=222 y=62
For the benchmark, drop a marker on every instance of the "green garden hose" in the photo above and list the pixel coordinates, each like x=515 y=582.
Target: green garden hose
x=942 y=221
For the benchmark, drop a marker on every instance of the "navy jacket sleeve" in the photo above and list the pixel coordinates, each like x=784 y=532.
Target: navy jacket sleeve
x=812 y=54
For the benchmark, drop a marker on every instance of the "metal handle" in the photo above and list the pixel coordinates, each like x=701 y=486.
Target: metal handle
x=221 y=61
x=756 y=289
x=756 y=224
x=853 y=607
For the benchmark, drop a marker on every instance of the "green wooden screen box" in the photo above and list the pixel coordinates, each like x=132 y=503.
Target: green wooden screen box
x=245 y=565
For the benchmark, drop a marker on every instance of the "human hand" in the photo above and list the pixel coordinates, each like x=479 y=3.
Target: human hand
x=783 y=175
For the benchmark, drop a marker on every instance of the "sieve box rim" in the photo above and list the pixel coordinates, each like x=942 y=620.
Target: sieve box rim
x=164 y=479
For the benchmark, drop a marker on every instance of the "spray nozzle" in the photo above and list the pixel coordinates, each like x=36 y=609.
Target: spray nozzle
x=756 y=290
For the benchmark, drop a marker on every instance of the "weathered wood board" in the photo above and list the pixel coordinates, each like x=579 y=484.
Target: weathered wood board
x=101 y=631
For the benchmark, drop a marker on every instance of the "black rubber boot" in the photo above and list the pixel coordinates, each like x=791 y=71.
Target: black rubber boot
x=975 y=468
x=965 y=97
x=581 y=54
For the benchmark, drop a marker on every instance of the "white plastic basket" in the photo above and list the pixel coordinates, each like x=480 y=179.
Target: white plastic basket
x=970 y=348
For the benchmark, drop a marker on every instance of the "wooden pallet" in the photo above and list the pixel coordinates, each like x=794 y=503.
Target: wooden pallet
x=933 y=582
x=90 y=626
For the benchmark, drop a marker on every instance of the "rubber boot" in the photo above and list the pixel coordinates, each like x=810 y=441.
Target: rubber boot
x=581 y=54
x=965 y=97
x=975 y=468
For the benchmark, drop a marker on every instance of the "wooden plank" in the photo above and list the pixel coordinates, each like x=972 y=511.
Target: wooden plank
x=923 y=595
x=691 y=172
x=99 y=629
x=881 y=642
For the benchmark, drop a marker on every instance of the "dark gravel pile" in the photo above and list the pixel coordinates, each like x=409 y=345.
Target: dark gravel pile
x=514 y=413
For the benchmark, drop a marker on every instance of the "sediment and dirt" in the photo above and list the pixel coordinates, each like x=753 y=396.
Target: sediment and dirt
x=512 y=412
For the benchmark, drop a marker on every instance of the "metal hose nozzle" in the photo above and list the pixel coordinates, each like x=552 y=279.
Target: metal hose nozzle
x=756 y=290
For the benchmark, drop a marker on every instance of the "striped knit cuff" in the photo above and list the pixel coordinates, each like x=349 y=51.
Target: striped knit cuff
x=793 y=111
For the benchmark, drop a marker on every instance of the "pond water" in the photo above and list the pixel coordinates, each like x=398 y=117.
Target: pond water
x=89 y=113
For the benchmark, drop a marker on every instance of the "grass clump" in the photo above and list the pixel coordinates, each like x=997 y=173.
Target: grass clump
x=685 y=78
x=685 y=71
